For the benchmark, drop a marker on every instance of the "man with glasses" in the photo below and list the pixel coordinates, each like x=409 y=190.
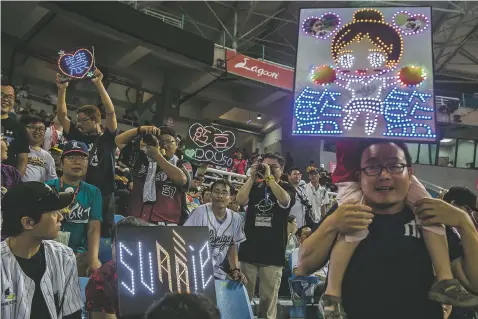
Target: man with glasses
x=80 y=229
x=101 y=144
x=390 y=274
x=161 y=179
x=41 y=165
x=269 y=202
x=39 y=276
x=13 y=131
x=225 y=230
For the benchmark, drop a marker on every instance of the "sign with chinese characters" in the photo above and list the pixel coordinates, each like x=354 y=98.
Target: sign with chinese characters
x=77 y=64
x=209 y=144
x=153 y=261
x=259 y=70
x=365 y=73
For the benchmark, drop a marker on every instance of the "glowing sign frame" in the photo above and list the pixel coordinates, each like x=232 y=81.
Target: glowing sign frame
x=84 y=71
x=335 y=97
x=152 y=261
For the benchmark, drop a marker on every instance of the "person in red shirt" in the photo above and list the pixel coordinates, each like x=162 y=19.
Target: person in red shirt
x=239 y=164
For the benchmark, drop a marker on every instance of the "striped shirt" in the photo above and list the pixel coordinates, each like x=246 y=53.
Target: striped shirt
x=60 y=282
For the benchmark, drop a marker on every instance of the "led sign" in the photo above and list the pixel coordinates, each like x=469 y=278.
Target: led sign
x=152 y=261
x=365 y=73
x=77 y=64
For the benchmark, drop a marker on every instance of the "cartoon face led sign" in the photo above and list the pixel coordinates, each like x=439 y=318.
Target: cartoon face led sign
x=365 y=74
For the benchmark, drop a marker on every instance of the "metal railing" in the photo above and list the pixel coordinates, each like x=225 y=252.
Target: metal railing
x=163 y=16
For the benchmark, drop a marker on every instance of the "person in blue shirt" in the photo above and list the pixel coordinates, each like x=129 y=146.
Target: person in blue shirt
x=81 y=227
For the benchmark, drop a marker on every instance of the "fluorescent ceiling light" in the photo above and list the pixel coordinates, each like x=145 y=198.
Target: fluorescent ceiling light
x=446 y=140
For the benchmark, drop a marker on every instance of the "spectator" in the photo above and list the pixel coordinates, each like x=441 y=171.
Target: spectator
x=124 y=186
x=14 y=132
x=393 y=262
x=41 y=165
x=317 y=194
x=56 y=154
x=206 y=195
x=195 y=189
x=292 y=242
x=38 y=276
x=102 y=288
x=239 y=164
x=81 y=228
x=464 y=199
x=53 y=135
x=311 y=166
x=183 y=306
x=160 y=180
x=10 y=175
x=263 y=252
x=225 y=229
x=302 y=209
x=101 y=144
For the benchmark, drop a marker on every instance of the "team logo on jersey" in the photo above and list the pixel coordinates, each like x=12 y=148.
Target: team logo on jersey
x=9 y=297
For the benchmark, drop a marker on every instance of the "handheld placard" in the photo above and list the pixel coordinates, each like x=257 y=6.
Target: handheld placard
x=79 y=64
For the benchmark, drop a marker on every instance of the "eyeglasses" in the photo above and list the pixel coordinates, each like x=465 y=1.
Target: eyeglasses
x=40 y=129
x=9 y=97
x=79 y=120
x=219 y=193
x=76 y=158
x=168 y=142
x=375 y=170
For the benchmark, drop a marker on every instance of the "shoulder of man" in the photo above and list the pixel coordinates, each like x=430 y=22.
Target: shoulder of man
x=58 y=249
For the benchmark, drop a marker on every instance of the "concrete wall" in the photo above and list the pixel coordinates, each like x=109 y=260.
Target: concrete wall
x=446 y=176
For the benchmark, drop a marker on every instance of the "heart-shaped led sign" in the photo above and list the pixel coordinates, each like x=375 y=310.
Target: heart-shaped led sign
x=204 y=136
x=79 y=64
x=321 y=27
x=410 y=23
x=190 y=153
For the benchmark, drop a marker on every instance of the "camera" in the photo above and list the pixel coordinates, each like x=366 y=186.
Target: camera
x=150 y=140
x=261 y=170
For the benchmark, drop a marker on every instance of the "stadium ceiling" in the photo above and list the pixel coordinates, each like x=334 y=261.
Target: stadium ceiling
x=268 y=29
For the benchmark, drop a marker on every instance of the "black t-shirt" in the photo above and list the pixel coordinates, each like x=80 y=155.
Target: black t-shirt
x=16 y=136
x=264 y=244
x=390 y=273
x=122 y=178
x=34 y=268
x=101 y=166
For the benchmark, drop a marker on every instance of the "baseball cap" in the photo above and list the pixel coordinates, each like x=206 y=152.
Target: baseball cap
x=313 y=172
x=462 y=196
x=74 y=147
x=34 y=197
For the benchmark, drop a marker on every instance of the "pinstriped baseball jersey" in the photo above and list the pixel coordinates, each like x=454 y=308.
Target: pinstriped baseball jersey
x=60 y=279
x=221 y=235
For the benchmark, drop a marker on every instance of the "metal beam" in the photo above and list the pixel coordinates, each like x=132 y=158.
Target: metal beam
x=260 y=14
x=448 y=40
x=468 y=55
x=398 y=4
x=250 y=11
x=263 y=22
x=192 y=21
x=468 y=36
x=219 y=20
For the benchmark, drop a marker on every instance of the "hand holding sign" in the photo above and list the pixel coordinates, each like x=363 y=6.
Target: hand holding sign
x=60 y=85
x=98 y=77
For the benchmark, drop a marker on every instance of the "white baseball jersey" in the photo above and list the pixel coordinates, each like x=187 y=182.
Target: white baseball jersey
x=60 y=280
x=221 y=235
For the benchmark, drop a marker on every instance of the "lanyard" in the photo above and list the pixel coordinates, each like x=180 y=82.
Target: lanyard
x=75 y=195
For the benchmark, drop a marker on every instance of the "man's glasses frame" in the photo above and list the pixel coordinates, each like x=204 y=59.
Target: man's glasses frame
x=376 y=170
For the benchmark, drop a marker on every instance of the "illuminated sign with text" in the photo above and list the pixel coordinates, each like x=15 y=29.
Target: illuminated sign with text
x=152 y=261
x=209 y=144
x=77 y=64
x=365 y=73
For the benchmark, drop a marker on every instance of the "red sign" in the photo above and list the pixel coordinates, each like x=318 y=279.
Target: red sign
x=260 y=71
x=332 y=166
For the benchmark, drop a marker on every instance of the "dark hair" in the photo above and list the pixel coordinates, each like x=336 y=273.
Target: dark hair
x=12 y=221
x=290 y=218
x=308 y=24
x=29 y=119
x=364 y=145
x=275 y=156
x=206 y=189
x=91 y=111
x=370 y=22
x=284 y=177
x=130 y=220
x=7 y=83
x=183 y=306
x=293 y=168
x=224 y=182
x=299 y=231
x=167 y=130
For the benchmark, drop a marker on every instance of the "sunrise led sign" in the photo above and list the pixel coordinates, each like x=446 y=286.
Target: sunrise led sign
x=365 y=73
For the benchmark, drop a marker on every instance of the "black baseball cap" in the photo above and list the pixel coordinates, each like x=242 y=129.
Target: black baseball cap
x=32 y=197
x=313 y=172
x=74 y=147
x=461 y=196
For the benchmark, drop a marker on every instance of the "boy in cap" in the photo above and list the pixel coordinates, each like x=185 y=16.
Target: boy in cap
x=82 y=225
x=38 y=275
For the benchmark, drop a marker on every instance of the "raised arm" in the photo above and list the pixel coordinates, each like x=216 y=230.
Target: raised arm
x=124 y=138
x=111 y=123
x=61 y=110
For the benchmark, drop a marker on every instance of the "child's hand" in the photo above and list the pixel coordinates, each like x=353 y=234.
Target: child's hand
x=351 y=218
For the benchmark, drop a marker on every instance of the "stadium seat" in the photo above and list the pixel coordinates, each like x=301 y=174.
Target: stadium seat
x=118 y=218
x=105 y=253
x=83 y=282
x=232 y=300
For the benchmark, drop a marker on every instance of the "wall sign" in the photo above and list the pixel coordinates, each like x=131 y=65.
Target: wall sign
x=209 y=144
x=332 y=166
x=260 y=71
x=365 y=73
x=152 y=261
x=76 y=64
